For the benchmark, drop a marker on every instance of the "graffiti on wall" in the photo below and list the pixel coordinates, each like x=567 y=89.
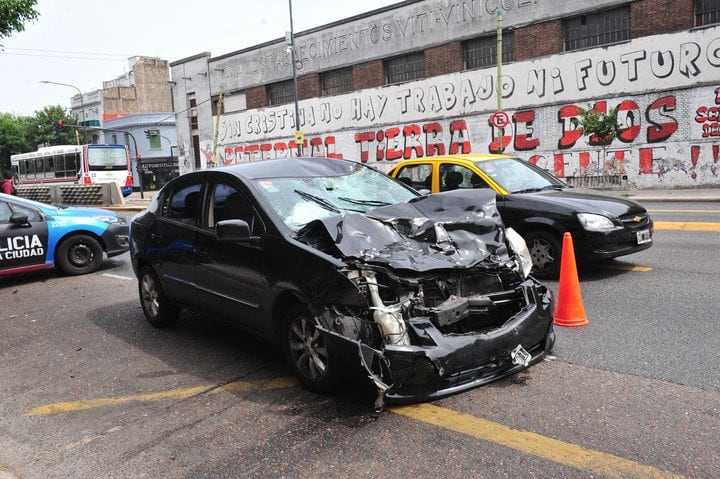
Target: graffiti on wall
x=669 y=135
x=659 y=138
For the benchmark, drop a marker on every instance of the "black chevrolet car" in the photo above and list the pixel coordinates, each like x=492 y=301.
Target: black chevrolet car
x=540 y=207
x=344 y=267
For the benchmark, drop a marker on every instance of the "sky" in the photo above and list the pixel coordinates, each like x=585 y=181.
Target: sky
x=85 y=42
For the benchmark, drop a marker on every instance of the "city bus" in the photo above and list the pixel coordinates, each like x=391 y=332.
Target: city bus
x=78 y=164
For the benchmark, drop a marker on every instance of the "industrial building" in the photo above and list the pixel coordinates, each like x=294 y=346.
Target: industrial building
x=421 y=78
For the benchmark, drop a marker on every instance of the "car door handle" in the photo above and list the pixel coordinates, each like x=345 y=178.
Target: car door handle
x=201 y=253
x=155 y=236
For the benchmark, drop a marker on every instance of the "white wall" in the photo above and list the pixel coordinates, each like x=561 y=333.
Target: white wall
x=667 y=88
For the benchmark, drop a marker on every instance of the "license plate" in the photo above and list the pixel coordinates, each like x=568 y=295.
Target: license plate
x=520 y=356
x=643 y=236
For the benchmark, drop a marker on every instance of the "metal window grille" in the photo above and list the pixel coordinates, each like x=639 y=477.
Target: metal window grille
x=405 y=68
x=601 y=28
x=281 y=92
x=336 y=82
x=707 y=12
x=482 y=52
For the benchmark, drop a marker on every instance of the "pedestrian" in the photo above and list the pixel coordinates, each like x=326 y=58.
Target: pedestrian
x=6 y=185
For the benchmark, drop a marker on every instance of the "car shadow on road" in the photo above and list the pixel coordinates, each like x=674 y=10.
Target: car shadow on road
x=219 y=353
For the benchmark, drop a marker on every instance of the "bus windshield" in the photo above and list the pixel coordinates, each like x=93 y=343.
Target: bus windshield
x=107 y=158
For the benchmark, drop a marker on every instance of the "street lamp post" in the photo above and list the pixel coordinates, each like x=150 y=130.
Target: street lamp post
x=295 y=85
x=82 y=103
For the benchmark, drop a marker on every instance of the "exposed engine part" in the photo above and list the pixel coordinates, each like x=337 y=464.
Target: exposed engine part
x=389 y=318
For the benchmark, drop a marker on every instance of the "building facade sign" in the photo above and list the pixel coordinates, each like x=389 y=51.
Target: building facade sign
x=387 y=33
x=672 y=134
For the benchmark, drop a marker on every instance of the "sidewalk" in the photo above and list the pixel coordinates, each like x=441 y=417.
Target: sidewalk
x=134 y=202
x=676 y=195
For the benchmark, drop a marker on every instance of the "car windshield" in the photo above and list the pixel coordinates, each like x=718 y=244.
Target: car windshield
x=518 y=176
x=300 y=200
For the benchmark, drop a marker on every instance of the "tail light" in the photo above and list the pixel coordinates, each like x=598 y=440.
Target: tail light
x=87 y=180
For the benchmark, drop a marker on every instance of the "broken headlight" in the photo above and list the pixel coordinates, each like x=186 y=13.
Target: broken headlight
x=519 y=247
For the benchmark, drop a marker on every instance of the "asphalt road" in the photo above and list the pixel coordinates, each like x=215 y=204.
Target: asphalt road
x=91 y=390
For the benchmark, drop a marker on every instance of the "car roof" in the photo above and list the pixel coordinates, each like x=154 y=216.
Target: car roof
x=291 y=167
x=469 y=157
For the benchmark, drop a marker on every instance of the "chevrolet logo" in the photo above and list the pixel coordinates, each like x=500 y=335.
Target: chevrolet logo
x=638 y=219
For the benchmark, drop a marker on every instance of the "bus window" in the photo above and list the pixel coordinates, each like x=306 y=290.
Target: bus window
x=59 y=163
x=48 y=167
x=72 y=165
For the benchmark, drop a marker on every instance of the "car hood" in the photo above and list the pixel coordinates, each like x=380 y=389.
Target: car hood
x=78 y=211
x=583 y=201
x=456 y=229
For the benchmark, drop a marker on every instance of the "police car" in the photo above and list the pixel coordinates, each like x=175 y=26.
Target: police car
x=37 y=236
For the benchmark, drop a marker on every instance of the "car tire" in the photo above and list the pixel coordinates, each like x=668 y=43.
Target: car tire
x=79 y=254
x=545 y=251
x=308 y=354
x=158 y=310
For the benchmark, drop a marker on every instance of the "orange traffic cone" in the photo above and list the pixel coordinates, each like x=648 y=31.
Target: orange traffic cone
x=569 y=310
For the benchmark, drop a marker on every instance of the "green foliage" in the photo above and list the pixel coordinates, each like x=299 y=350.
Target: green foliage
x=13 y=15
x=602 y=128
x=13 y=138
x=20 y=134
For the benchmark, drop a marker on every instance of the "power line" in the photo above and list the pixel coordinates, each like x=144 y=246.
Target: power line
x=64 y=57
x=123 y=55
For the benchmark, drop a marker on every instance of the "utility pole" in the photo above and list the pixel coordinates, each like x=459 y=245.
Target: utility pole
x=499 y=77
x=293 y=56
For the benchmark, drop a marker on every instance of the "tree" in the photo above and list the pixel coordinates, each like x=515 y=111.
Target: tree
x=20 y=134
x=40 y=127
x=13 y=138
x=13 y=14
x=601 y=128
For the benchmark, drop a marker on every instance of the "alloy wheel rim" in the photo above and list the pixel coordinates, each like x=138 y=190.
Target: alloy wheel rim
x=541 y=254
x=308 y=349
x=150 y=296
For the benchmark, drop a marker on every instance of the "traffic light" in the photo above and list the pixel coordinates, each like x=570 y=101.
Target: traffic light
x=58 y=126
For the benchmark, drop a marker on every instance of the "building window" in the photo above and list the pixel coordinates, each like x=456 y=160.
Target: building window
x=482 y=52
x=193 y=113
x=154 y=139
x=336 y=82
x=405 y=68
x=707 y=12
x=281 y=92
x=601 y=28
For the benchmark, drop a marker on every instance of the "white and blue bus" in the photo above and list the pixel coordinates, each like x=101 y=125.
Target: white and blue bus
x=78 y=164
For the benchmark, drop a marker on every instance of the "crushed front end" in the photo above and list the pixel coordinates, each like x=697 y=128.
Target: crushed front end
x=448 y=303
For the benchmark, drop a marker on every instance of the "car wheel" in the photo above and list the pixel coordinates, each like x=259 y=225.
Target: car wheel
x=158 y=310
x=79 y=254
x=307 y=352
x=545 y=250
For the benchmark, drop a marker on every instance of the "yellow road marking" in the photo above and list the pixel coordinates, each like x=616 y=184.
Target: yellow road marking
x=64 y=407
x=524 y=441
x=686 y=226
x=588 y=460
x=640 y=269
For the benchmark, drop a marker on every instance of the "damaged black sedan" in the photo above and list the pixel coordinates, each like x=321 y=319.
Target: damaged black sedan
x=344 y=267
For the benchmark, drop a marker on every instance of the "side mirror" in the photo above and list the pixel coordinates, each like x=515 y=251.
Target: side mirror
x=424 y=192
x=234 y=230
x=18 y=218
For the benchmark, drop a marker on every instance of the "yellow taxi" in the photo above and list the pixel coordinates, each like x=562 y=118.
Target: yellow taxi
x=538 y=206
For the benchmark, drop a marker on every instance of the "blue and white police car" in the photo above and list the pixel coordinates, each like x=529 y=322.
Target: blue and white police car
x=37 y=236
